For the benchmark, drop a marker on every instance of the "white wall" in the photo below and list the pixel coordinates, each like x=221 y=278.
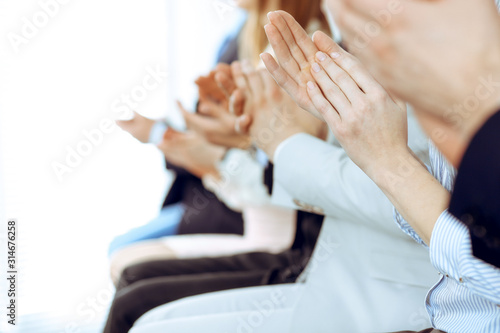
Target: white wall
x=56 y=84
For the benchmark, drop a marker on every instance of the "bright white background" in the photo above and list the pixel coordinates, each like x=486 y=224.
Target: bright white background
x=61 y=82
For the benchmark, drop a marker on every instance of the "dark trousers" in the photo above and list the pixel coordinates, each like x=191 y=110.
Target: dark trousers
x=145 y=286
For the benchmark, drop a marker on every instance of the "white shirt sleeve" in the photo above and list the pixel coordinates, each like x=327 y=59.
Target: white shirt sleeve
x=322 y=176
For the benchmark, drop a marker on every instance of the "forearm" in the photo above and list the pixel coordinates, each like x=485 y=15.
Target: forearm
x=413 y=191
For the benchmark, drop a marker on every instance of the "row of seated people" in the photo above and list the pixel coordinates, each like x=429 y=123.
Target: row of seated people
x=295 y=211
x=228 y=234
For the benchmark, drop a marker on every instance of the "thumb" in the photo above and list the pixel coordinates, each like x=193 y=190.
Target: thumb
x=185 y=114
x=181 y=107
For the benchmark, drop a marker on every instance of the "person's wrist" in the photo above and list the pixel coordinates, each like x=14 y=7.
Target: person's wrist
x=390 y=169
x=217 y=154
x=269 y=146
x=242 y=142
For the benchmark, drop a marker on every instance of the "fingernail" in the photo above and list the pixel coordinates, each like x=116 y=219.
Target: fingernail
x=316 y=68
x=335 y=55
x=321 y=56
x=310 y=85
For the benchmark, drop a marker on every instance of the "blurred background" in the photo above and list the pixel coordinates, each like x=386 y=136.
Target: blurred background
x=62 y=75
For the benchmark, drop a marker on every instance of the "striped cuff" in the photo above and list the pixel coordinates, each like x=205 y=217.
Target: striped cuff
x=450 y=244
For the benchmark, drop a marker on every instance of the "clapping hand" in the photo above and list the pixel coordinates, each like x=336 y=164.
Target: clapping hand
x=295 y=52
x=191 y=152
x=215 y=119
x=368 y=122
x=273 y=115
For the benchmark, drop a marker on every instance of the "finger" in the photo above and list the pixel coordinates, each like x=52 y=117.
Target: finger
x=223 y=68
x=224 y=78
x=237 y=103
x=188 y=116
x=211 y=109
x=254 y=82
x=279 y=22
x=209 y=89
x=239 y=77
x=242 y=124
x=201 y=79
x=330 y=90
x=285 y=58
x=329 y=113
x=201 y=124
x=346 y=61
x=280 y=75
x=300 y=36
x=225 y=83
x=237 y=127
x=181 y=107
x=339 y=77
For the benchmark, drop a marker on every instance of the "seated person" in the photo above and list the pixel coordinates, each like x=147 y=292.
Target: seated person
x=371 y=127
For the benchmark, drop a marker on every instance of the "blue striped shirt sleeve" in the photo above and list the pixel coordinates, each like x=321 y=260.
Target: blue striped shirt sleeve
x=451 y=254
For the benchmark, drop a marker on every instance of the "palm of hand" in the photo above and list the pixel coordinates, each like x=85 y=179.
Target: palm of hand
x=190 y=151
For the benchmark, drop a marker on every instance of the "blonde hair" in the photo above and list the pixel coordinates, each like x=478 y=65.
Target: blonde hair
x=253 y=40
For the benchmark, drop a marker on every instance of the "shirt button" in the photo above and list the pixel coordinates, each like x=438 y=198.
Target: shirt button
x=447 y=275
x=479 y=231
x=461 y=280
x=317 y=210
x=467 y=219
x=299 y=203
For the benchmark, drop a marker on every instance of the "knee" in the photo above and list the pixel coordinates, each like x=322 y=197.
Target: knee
x=130 y=275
